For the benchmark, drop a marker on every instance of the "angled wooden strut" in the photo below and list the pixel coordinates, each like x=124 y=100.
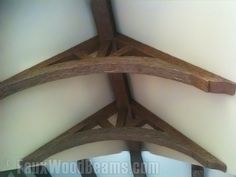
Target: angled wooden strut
x=118 y=55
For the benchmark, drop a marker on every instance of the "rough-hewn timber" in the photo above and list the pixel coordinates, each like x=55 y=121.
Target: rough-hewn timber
x=129 y=134
x=135 y=65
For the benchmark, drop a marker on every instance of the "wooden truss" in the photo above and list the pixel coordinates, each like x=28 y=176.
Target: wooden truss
x=118 y=55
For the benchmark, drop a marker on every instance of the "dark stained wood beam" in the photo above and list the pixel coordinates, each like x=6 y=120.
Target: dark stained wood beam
x=216 y=84
x=103 y=114
x=135 y=65
x=122 y=117
x=104 y=49
x=103 y=16
x=137 y=165
x=197 y=171
x=73 y=54
x=86 y=124
x=121 y=91
x=86 y=168
x=129 y=134
x=119 y=85
x=163 y=65
x=137 y=122
x=123 y=96
x=123 y=51
x=104 y=20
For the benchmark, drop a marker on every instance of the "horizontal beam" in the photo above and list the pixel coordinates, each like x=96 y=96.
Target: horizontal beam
x=136 y=65
x=128 y=134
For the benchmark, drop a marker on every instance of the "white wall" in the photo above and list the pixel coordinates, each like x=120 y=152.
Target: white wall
x=202 y=33
x=32 y=31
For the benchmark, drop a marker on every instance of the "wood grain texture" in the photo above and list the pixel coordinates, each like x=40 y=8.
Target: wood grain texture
x=103 y=16
x=121 y=91
x=129 y=134
x=212 y=82
x=135 y=65
x=105 y=24
x=104 y=49
x=122 y=117
x=118 y=83
x=125 y=118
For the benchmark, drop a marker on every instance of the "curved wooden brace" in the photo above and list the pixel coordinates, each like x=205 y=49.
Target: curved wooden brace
x=127 y=134
x=137 y=65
